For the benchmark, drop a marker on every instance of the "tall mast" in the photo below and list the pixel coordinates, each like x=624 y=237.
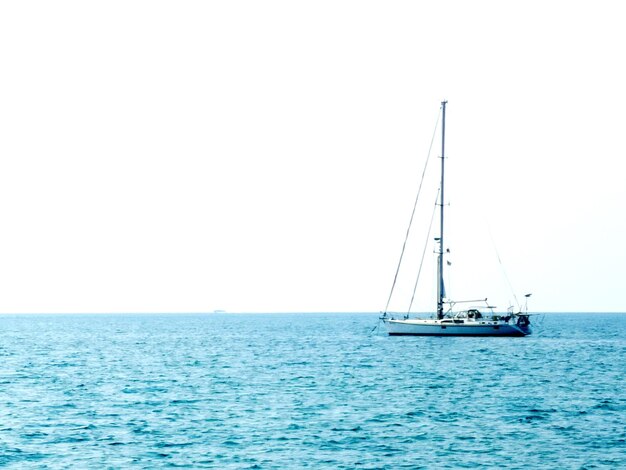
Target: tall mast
x=440 y=287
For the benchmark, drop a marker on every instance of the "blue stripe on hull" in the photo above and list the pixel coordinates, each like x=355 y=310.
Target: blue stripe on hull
x=514 y=335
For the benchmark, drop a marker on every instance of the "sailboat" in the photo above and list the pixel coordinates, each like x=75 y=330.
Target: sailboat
x=472 y=321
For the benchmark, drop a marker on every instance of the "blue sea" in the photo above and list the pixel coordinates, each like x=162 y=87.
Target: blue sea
x=290 y=391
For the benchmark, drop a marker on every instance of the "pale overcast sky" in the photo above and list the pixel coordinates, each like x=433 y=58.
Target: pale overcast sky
x=165 y=156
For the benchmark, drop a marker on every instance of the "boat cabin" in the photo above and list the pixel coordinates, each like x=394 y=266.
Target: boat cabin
x=475 y=315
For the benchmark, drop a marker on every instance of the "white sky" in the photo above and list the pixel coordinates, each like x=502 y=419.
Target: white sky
x=263 y=156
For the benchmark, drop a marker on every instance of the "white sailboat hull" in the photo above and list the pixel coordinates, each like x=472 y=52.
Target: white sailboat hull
x=419 y=327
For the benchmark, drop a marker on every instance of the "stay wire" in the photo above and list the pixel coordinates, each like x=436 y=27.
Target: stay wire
x=432 y=218
x=408 y=230
x=495 y=248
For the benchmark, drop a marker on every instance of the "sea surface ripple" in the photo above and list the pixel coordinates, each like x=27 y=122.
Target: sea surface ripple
x=272 y=391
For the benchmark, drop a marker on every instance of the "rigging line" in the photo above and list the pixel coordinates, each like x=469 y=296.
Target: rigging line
x=495 y=248
x=432 y=218
x=408 y=230
x=375 y=328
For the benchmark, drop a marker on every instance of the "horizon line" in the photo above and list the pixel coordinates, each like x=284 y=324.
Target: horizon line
x=281 y=312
